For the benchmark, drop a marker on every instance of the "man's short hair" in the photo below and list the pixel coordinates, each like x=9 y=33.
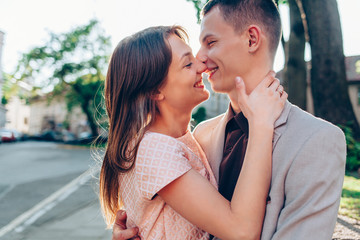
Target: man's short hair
x=242 y=13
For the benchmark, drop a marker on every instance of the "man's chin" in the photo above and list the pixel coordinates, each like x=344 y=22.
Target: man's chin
x=218 y=89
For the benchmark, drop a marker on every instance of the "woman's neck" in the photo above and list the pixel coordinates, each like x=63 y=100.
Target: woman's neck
x=174 y=124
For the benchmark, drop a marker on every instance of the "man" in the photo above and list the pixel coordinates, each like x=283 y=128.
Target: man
x=240 y=38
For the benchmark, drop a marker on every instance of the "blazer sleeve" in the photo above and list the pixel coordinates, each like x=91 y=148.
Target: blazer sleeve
x=313 y=187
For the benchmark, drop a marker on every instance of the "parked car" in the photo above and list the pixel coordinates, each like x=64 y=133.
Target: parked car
x=68 y=137
x=85 y=138
x=7 y=135
x=18 y=135
x=51 y=135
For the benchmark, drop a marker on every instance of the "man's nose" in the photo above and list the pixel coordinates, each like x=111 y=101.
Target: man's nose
x=201 y=55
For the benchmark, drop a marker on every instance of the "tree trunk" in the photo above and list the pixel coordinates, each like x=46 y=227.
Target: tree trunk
x=86 y=109
x=295 y=67
x=328 y=77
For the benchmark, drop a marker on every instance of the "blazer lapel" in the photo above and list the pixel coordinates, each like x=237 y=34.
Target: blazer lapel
x=280 y=123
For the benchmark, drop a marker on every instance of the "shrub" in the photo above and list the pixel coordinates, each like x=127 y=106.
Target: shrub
x=199 y=115
x=353 y=150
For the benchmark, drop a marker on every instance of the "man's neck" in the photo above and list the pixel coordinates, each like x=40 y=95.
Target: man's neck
x=252 y=80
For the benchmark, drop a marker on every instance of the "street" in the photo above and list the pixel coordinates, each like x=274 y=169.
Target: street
x=48 y=191
x=44 y=184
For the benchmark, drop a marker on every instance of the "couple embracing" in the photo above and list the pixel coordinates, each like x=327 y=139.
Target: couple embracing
x=263 y=170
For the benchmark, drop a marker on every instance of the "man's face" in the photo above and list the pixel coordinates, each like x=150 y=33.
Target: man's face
x=223 y=50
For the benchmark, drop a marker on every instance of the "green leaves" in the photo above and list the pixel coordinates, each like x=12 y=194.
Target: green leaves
x=353 y=149
x=72 y=64
x=198 y=4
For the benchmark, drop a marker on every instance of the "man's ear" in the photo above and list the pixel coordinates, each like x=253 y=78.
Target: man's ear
x=254 y=35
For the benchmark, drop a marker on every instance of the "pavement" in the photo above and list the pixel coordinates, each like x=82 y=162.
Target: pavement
x=346 y=228
x=84 y=224
x=54 y=218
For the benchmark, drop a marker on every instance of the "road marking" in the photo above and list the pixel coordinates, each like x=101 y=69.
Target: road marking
x=30 y=216
x=6 y=191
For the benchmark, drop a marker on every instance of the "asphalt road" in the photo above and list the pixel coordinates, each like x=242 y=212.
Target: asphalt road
x=32 y=171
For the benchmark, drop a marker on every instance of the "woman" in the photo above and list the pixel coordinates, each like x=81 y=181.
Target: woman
x=153 y=163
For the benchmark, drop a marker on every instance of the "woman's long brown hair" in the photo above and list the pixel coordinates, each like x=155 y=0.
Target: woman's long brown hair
x=138 y=68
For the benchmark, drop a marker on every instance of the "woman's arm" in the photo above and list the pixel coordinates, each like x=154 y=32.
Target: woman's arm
x=198 y=201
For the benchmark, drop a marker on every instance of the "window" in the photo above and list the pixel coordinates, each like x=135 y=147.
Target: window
x=357 y=66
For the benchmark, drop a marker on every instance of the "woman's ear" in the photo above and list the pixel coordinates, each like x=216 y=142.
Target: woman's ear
x=254 y=35
x=157 y=96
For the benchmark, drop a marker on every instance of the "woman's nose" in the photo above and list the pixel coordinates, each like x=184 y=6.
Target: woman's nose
x=201 y=67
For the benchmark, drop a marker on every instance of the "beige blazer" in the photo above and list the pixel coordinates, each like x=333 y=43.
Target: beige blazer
x=308 y=169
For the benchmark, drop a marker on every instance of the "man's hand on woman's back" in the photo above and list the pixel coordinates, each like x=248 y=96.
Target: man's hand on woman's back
x=120 y=232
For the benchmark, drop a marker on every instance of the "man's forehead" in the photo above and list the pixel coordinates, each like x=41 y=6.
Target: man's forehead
x=202 y=32
x=207 y=25
x=213 y=24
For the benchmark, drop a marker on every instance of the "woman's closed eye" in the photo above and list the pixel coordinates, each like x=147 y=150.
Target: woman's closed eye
x=188 y=65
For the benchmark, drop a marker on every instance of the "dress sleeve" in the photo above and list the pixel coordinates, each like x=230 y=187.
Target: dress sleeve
x=160 y=160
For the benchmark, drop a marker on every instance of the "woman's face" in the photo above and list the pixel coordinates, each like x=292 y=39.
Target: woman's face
x=183 y=89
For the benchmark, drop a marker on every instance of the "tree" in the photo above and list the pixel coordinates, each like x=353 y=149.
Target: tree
x=198 y=5
x=328 y=76
x=295 y=67
x=8 y=89
x=199 y=115
x=70 y=64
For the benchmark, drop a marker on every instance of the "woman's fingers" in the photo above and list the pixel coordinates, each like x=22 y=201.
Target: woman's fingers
x=274 y=85
x=284 y=95
x=241 y=90
x=268 y=80
x=280 y=90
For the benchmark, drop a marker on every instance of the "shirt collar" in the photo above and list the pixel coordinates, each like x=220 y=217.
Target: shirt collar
x=280 y=121
x=239 y=119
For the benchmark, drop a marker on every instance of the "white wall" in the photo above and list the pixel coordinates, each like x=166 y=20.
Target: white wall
x=2 y=108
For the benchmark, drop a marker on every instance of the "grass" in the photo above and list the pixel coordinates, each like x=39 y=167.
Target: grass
x=350 y=197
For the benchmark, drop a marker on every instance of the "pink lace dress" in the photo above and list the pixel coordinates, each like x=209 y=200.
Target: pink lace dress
x=160 y=160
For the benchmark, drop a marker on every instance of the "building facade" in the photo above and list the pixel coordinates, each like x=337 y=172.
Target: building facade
x=2 y=108
x=353 y=77
x=43 y=115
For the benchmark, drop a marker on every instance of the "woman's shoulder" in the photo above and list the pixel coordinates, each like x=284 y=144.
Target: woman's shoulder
x=153 y=139
x=158 y=144
x=159 y=161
